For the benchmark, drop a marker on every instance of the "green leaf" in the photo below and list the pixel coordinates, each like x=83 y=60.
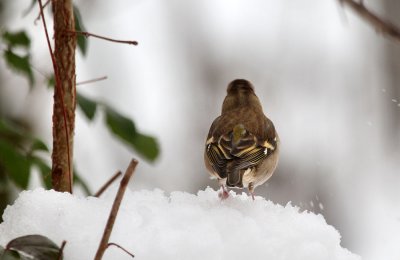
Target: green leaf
x=120 y=125
x=146 y=145
x=16 y=39
x=51 y=81
x=36 y=246
x=44 y=169
x=88 y=106
x=81 y=40
x=19 y=64
x=125 y=129
x=39 y=145
x=15 y=163
x=10 y=130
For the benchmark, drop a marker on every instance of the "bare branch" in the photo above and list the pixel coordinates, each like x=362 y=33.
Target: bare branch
x=91 y=80
x=61 y=251
x=120 y=247
x=44 y=6
x=87 y=34
x=114 y=210
x=107 y=184
x=381 y=25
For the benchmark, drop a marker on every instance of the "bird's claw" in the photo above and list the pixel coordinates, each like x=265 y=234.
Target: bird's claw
x=223 y=195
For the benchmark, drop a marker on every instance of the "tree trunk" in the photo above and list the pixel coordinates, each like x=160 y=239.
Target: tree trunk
x=390 y=111
x=64 y=95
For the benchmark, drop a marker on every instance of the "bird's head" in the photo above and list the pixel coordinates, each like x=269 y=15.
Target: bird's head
x=240 y=92
x=240 y=86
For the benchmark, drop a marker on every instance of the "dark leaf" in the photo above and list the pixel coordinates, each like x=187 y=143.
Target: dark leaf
x=9 y=254
x=39 y=145
x=125 y=129
x=17 y=39
x=80 y=181
x=120 y=125
x=51 y=81
x=81 y=40
x=11 y=131
x=146 y=145
x=15 y=163
x=88 y=106
x=36 y=246
x=44 y=169
x=19 y=64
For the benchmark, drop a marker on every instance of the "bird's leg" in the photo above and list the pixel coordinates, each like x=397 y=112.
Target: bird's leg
x=224 y=194
x=251 y=190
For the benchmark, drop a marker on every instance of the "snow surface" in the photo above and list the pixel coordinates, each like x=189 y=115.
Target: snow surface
x=153 y=225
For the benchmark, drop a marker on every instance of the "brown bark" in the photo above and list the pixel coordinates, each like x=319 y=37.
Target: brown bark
x=381 y=25
x=114 y=210
x=64 y=95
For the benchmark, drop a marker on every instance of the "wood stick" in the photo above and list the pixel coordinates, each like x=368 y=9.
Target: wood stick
x=114 y=210
x=120 y=247
x=87 y=34
x=107 y=184
x=61 y=251
x=381 y=25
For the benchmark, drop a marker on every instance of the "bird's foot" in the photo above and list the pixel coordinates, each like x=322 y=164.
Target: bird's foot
x=224 y=194
x=251 y=190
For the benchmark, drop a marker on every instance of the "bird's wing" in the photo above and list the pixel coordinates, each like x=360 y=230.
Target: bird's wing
x=217 y=158
x=248 y=152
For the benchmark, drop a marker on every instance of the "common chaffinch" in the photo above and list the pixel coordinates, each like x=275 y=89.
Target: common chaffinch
x=242 y=146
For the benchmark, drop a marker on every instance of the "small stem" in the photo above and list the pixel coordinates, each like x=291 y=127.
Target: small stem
x=385 y=27
x=58 y=85
x=114 y=210
x=87 y=34
x=91 y=80
x=44 y=6
x=60 y=252
x=120 y=247
x=107 y=184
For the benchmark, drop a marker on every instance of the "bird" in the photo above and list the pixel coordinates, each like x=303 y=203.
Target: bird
x=242 y=145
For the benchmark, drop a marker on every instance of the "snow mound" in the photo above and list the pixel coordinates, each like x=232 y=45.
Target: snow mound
x=152 y=225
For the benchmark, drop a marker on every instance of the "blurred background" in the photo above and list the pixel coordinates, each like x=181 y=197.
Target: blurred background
x=328 y=81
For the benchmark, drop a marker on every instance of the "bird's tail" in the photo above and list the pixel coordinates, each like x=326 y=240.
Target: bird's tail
x=234 y=176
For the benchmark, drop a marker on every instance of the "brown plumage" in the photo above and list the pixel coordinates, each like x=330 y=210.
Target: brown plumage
x=242 y=146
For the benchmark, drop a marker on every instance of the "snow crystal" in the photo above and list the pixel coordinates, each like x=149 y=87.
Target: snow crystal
x=153 y=225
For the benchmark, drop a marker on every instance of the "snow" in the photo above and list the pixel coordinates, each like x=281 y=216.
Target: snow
x=154 y=225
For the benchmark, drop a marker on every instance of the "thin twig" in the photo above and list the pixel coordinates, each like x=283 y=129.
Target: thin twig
x=114 y=210
x=60 y=252
x=107 y=184
x=120 y=247
x=38 y=17
x=58 y=85
x=87 y=34
x=91 y=80
x=381 y=25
